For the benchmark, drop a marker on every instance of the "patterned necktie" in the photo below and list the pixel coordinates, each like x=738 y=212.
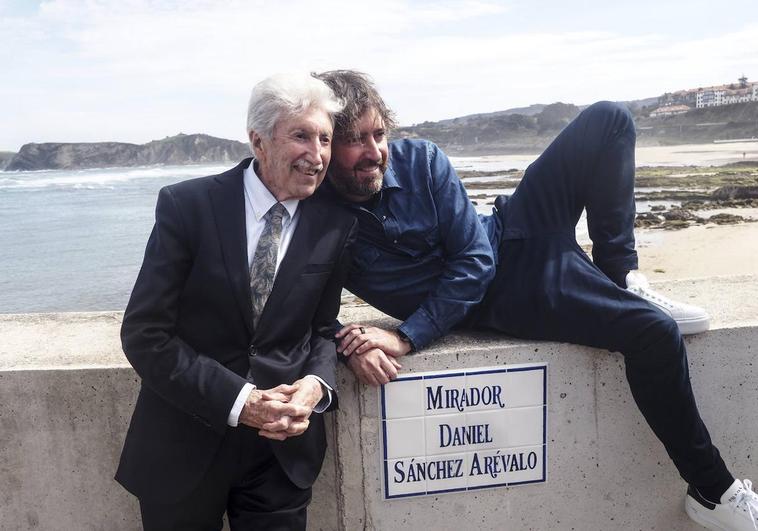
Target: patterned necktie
x=263 y=266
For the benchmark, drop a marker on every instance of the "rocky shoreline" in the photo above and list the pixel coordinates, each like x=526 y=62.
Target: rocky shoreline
x=695 y=190
x=690 y=193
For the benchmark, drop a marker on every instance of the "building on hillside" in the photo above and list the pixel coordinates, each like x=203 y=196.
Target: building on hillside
x=727 y=94
x=669 y=110
x=680 y=97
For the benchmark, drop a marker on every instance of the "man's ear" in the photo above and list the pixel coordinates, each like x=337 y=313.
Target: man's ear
x=256 y=142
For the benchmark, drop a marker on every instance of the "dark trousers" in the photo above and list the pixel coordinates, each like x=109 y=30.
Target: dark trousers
x=547 y=288
x=246 y=481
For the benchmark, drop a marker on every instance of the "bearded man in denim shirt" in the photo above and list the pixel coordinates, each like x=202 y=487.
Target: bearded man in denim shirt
x=424 y=256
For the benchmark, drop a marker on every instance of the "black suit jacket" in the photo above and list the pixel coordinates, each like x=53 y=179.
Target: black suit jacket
x=187 y=331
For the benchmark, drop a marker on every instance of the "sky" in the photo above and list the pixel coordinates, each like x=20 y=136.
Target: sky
x=138 y=70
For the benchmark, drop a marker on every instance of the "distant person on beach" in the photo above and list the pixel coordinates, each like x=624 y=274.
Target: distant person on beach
x=425 y=257
x=229 y=328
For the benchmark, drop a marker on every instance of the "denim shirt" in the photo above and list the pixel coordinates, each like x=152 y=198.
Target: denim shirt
x=422 y=255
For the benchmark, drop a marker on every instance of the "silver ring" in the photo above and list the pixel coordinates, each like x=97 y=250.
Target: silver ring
x=363 y=330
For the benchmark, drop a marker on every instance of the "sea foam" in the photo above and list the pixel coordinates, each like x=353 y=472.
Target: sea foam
x=100 y=177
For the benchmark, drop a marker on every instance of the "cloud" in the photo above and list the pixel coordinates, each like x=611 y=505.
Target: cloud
x=135 y=70
x=494 y=73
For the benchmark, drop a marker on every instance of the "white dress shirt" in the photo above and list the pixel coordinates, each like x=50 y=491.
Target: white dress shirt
x=258 y=201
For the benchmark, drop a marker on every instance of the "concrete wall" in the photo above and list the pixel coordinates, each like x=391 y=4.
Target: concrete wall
x=66 y=395
x=61 y=435
x=606 y=470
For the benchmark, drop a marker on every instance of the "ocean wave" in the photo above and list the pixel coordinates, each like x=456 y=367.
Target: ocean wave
x=101 y=177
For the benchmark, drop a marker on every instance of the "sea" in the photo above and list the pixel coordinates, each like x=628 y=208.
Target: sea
x=74 y=240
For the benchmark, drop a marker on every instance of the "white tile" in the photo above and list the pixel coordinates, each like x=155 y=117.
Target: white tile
x=486 y=391
x=405 y=476
x=404 y=437
x=403 y=398
x=441 y=431
x=498 y=389
x=500 y=467
x=511 y=427
x=527 y=464
x=447 y=472
x=525 y=388
x=526 y=426
x=440 y=394
x=484 y=470
x=489 y=427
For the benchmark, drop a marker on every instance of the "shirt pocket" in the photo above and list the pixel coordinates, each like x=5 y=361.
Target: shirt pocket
x=418 y=243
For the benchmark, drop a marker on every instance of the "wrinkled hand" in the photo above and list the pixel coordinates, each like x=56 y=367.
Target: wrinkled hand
x=308 y=393
x=271 y=411
x=359 y=339
x=374 y=367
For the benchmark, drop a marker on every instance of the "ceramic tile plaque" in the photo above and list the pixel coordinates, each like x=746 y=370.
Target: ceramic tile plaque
x=464 y=430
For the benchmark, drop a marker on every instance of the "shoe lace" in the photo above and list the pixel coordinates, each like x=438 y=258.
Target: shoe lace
x=750 y=500
x=645 y=292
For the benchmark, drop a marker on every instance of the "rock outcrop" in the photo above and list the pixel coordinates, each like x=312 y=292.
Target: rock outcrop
x=5 y=158
x=736 y=192
x=180 y=149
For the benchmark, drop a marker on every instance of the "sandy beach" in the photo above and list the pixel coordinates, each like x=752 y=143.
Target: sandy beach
x=696 y=154
x=680 y=155
x=700 y=251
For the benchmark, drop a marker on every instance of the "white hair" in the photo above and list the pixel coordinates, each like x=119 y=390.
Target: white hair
x=283 y=95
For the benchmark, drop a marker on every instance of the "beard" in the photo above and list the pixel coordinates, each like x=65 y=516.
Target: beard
x=349 y=183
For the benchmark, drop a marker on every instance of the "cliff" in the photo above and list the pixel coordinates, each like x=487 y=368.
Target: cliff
x=179 y=149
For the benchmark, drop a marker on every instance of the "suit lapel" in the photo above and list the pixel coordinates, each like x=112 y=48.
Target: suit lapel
x=297 y=257
x=228 y=200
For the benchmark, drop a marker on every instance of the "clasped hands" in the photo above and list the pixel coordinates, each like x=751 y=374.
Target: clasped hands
x=371 y=352
x=282 y=411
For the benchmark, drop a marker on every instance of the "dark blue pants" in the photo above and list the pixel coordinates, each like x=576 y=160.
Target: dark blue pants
x=547 y=288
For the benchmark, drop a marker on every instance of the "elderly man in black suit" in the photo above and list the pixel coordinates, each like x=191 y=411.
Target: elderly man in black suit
x=228 y=327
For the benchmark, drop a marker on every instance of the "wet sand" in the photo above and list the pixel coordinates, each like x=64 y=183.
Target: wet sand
x=699 y=251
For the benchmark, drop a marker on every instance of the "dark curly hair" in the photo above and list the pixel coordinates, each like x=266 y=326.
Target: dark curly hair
x=358 y=93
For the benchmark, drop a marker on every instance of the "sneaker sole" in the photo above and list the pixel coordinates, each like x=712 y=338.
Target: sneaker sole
x=693 y=326
x=699 y=515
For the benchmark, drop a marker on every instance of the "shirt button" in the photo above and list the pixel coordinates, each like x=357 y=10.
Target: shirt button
x=394 y=241
x=251 y=351
x=384 y=218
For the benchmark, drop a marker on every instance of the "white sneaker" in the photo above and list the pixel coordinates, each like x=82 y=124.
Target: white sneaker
x=691 y=319
x=738 y=510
